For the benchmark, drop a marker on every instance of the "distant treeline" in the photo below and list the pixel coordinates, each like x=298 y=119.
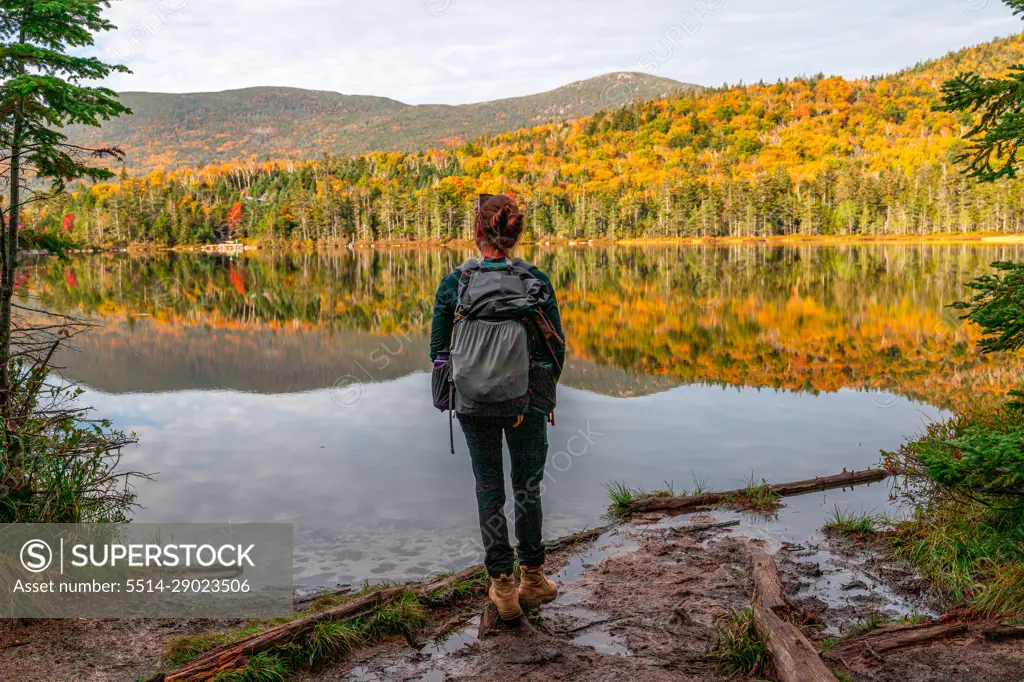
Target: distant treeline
x=813 y=156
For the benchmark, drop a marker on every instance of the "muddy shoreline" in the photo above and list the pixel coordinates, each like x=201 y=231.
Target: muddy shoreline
x=641 y=601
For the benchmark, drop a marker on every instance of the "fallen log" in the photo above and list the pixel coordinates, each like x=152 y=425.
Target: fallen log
x=691 y=502
x=795 y=658
x=701 y=527
x=233 y=655
x=1000 y=633
x=889 y=639
x=768 y=588
x=448 y=581
x=575 y=538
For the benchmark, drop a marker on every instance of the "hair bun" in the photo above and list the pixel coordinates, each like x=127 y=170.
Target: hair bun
x=500 y=222
x=500 y=218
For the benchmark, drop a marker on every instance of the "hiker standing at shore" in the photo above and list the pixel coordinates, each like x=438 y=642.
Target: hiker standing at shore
x=498 y=351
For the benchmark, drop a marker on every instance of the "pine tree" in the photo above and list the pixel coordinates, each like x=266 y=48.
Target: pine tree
x=986 y=458
x=997 y=107
x=41 y=93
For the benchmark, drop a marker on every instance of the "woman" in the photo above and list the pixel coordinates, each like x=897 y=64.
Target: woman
x=499 y=225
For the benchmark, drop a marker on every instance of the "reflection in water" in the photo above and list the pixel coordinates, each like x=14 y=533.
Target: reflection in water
x=707 y=362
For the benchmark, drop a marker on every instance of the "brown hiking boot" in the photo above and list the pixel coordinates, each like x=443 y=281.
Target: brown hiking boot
x=535 y=588
x=505 y=596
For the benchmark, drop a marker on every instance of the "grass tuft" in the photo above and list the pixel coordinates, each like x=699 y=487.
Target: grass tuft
x=1004 y=594
x=739 y=650
x=263 y=667
x=757 y=496
x=327 y=642
x=853 y=524
x=621 y=496
x=330 y=641
x=760 y=495
x=187 y=648
x=404 y=616
x=872 y=622
x=700 y=486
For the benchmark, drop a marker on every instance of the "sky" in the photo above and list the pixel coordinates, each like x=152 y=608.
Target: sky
x=459 y=51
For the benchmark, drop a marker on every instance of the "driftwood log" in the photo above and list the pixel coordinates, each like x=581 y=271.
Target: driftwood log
x=999 y=633
x=448 y=581
x=795 y=658
x=576 y=538
x=233 y=655
x=768 y=588
x=691 y=502
x=891 y=638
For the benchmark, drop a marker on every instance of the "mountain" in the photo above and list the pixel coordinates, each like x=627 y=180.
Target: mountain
x=153 y=358
x=173 y=130
x=808 y=156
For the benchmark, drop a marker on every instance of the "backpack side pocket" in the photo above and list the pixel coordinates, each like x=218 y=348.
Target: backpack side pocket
x=543 y=388
x=440 y=385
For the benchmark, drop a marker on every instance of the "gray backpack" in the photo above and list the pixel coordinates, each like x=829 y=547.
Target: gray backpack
x=491 y=348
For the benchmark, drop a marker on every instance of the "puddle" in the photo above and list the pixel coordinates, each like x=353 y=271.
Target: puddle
x=605 y=546
x=363 y=675
x=843 y=581
x=839 y=580
x=455 y=641
x=566 y=612
x=602 y=642
x=590 y=631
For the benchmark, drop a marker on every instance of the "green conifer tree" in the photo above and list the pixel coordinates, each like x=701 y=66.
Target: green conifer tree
x=42 y=92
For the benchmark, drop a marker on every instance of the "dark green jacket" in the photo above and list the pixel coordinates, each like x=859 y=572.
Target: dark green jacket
x=447 y=299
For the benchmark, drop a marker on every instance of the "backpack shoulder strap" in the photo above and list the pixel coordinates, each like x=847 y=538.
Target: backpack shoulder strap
x=520 y=265
x=471 y=264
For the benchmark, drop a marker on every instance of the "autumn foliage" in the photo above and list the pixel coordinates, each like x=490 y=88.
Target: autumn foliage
x=809 y=156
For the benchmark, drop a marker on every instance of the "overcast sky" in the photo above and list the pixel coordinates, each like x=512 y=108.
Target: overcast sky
x=457 y=51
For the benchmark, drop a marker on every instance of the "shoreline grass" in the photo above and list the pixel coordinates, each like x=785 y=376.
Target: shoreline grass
x=327 y=642
x=970 y=551
x=965 y=536
x=757 y=496
x=852 y=524
x=739 y=651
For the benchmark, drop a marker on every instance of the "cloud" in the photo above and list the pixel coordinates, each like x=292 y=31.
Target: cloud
x=457 y=51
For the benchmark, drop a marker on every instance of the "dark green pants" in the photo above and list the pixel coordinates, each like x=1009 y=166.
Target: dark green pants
x=528 y=446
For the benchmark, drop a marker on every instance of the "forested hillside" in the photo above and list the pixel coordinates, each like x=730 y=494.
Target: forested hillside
x=169 y=131
x=808 y=156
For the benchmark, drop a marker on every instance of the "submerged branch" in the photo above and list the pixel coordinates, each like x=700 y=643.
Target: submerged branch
x=681 y=504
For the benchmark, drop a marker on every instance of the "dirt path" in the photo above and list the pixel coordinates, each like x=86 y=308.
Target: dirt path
x=640 y=603
x=87 y=650
x=643 y=602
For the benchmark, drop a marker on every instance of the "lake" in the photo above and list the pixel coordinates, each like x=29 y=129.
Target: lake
x=294 y=387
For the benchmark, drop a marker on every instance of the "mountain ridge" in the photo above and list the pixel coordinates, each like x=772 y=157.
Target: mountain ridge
x=174 y=130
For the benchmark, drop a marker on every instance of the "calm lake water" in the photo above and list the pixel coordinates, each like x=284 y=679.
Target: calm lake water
x=294 y=387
